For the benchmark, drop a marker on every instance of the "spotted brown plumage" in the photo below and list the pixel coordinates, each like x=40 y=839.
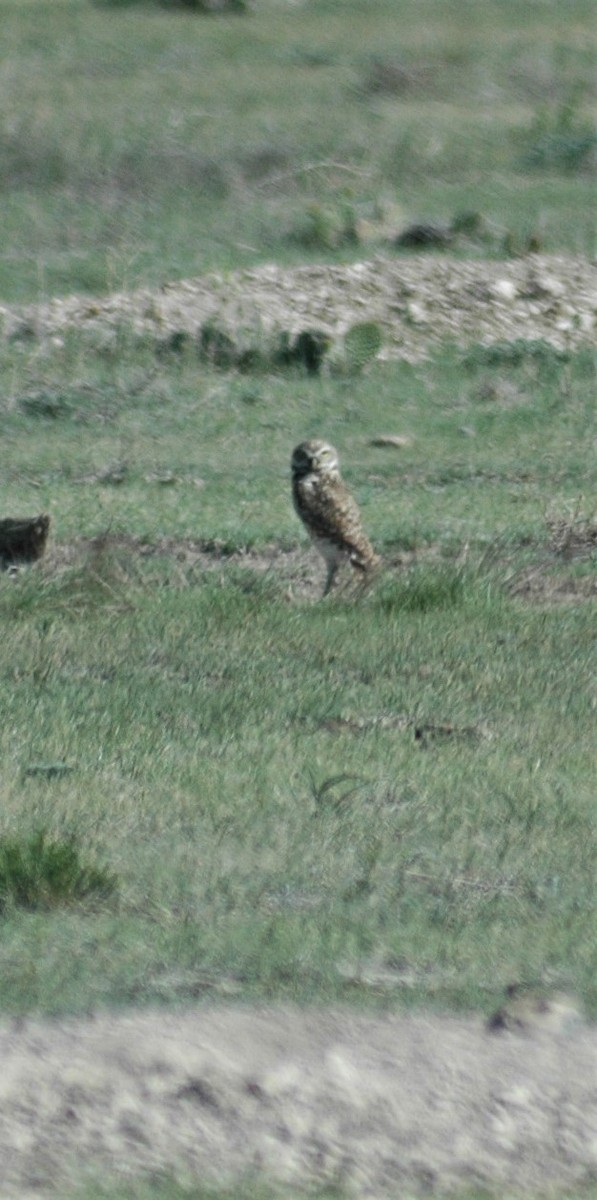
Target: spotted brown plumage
x=328 y=510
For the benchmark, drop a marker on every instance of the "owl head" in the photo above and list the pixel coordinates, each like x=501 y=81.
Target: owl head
x=314 y=455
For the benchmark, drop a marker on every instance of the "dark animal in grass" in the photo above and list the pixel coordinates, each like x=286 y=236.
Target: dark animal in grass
x=429 y=235
x=307 y=350
x=424 y=237
x=22 y=540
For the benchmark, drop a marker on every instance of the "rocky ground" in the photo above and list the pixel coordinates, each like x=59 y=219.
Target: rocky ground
x=417 y=301
x=385 y=1106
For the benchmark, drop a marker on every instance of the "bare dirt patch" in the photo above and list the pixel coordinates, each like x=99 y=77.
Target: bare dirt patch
x=121 y=558
x=384 y=1106
x=296 y=573
x=540 y=585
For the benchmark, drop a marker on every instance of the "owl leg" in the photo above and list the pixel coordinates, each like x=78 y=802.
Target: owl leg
x=365 y=573
x=331 y=575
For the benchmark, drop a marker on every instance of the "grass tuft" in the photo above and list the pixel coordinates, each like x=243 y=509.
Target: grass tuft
x=40 y=873
x=562 y=139
x=515 y=354
x=423 y=588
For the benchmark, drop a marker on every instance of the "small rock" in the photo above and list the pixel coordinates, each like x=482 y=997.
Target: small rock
x=397 y=440
x=417 y=313
x=531 y=1011
x=548 y=285
x=165 y=479
x=112 y=475
x=504 y=289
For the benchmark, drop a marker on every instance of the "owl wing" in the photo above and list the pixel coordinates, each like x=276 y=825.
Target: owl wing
x=331 y=513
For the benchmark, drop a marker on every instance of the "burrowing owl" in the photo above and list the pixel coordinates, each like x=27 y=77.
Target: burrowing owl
x=329 y=512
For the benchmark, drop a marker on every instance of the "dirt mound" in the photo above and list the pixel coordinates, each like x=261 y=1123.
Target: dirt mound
x=383 y=1106
x=418 y=302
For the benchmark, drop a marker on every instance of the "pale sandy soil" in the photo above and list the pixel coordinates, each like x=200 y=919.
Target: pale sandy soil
x=388 y=1106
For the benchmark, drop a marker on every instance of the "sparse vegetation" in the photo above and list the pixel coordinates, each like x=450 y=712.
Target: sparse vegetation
x=42 y=873
x=194 y=144
x=561 y=139
x=154 y=650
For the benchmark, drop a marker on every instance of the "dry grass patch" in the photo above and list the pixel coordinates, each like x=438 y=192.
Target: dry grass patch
x=572 y=534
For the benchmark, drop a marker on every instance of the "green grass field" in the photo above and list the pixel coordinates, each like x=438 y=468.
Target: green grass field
x=241 y=759
x=141 y=144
